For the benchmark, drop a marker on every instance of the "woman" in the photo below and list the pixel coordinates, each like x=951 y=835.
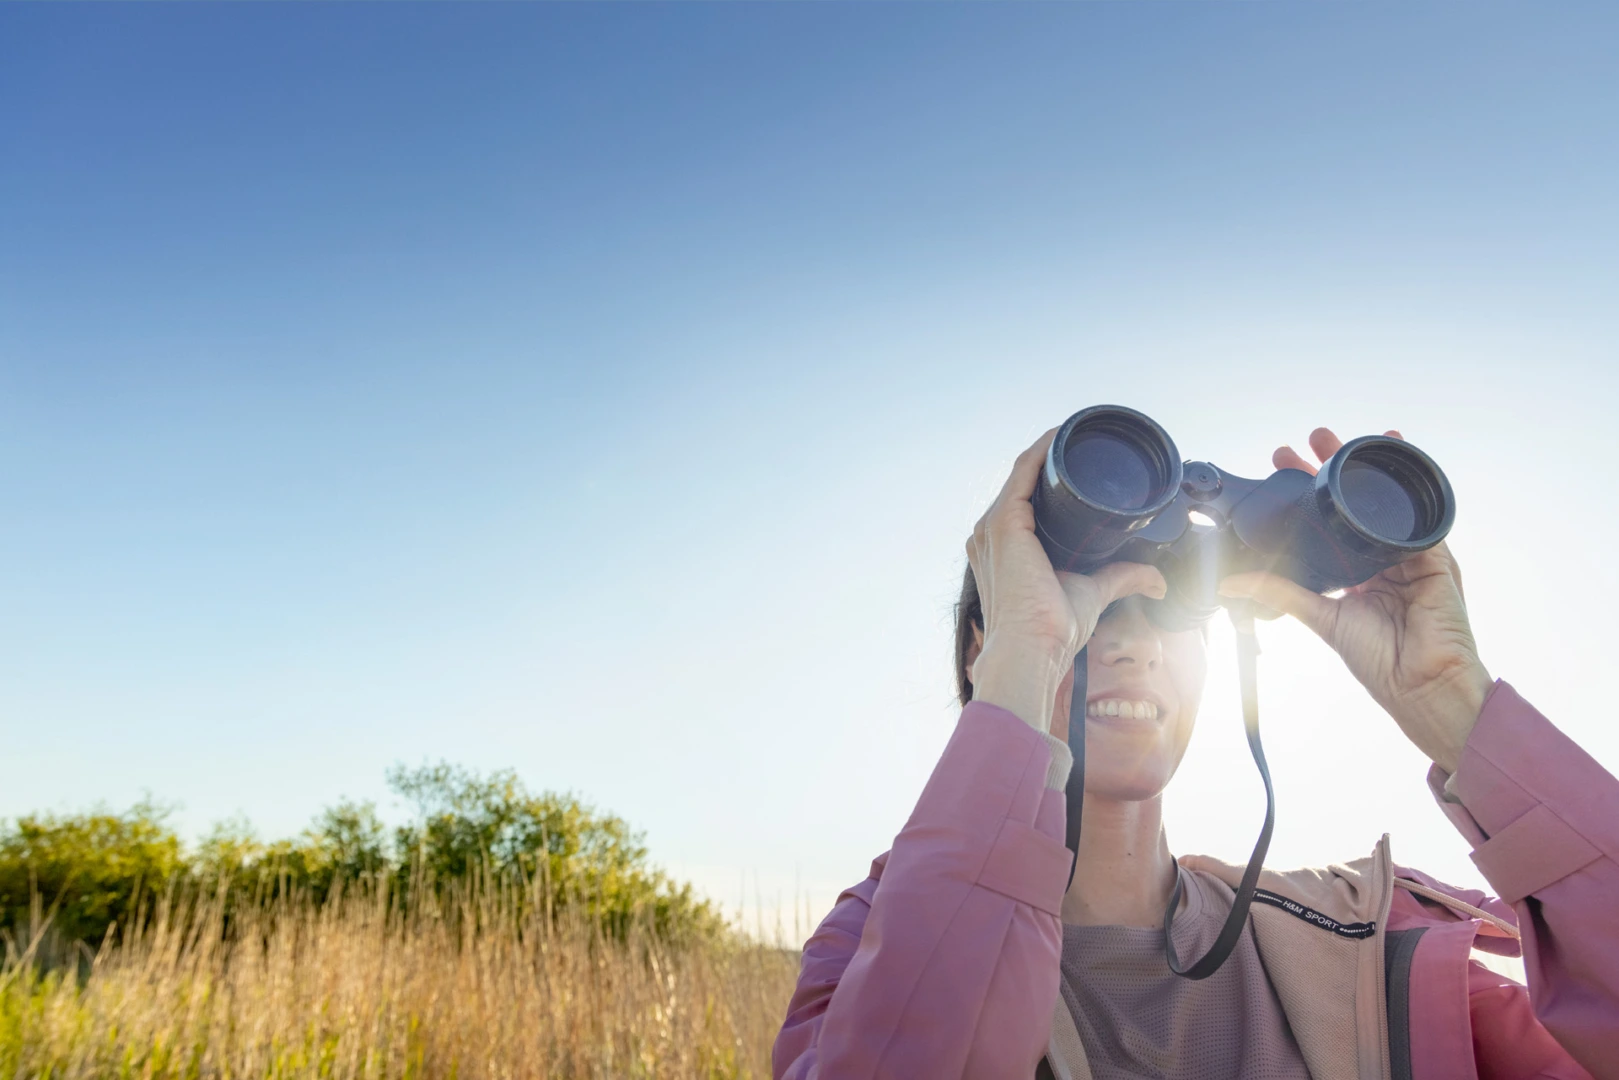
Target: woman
x=962 y=955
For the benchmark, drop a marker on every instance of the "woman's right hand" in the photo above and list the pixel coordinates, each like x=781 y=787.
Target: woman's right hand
x=1035 y=618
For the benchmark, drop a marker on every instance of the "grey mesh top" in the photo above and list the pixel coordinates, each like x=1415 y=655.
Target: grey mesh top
x=1139 y=1019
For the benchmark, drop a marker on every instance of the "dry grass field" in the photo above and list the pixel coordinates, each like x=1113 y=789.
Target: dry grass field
x=472 y=984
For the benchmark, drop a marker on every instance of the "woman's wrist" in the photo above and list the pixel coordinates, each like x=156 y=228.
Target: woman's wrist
x=1021 y=677
x=1441 y=725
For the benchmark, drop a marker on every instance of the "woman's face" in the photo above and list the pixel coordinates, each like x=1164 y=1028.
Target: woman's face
x=1143 y=689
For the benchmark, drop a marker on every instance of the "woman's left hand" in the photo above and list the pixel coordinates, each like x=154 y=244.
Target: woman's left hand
x=1404 y=633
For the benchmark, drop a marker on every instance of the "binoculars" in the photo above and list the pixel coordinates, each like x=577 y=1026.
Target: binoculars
x=1114 y=489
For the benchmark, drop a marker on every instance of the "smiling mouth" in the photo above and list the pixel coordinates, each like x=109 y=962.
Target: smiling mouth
x=1124 y=709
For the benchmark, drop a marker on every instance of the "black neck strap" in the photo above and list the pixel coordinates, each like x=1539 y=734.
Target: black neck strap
x=1248 y=675
x=1075 y=790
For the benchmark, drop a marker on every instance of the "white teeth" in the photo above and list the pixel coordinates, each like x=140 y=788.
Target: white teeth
x=1130 y=710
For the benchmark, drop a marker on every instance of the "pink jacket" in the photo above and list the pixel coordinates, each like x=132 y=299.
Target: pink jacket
x=944 y=962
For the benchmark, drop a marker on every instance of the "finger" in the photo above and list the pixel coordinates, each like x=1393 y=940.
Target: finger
x=1325 y=443
x=1286 y=457
x=1117 y=580
x=1394 y=434
x=1442 y=549
x=1026 y=470
x=1273 y=591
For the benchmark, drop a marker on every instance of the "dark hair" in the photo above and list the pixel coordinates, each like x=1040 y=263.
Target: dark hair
x=969 y=613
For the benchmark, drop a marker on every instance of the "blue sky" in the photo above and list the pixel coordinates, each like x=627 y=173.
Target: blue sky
x=606 y=392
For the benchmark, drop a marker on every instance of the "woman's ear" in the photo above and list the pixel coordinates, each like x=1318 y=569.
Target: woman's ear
x=974 y=649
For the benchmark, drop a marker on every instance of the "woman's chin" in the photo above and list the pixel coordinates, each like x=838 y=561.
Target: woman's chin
x=1125 y=788
x=1127 y=778
x=1133 y=761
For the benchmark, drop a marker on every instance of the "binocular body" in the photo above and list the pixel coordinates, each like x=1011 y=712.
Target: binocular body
x=1114 y=489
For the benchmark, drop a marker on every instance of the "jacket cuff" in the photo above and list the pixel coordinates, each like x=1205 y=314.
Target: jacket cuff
x=1062 y=763
x=1519 y=791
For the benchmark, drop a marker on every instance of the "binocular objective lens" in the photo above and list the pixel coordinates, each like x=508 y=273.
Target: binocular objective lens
x=1112 y=471
x=1380 y=501
x=1392 y=492
x=1109 y=472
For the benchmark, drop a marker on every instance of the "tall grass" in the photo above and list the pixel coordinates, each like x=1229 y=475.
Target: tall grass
x=477 y=980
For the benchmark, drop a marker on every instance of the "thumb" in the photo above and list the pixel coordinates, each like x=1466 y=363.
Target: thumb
x=1284 y=595
x=1117 y=580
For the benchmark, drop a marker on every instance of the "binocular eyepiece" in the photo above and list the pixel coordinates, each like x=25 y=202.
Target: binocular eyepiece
x=1114 y=489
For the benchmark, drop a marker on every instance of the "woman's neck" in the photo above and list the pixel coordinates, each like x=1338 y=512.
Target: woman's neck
x=1124 y=873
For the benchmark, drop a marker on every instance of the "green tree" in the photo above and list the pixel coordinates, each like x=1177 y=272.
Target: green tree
x=345 y=842
x=466 y=821
x=93 y=869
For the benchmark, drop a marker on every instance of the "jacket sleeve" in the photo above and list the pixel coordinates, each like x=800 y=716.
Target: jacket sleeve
x=1509 y=1043
x=1543 y=818
x=944 y=963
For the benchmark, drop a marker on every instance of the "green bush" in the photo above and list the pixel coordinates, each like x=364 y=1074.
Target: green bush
x=90 y=871
x=93 y=872
x=577 y=855
x=345 y=842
